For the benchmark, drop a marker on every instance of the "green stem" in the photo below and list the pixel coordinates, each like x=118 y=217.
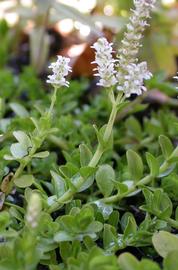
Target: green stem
x=173 y=223
x=41 y=138
x=19 y=171
x=53 y=100
x=59 y=142
x=144 y=181
x=109 y=127
x=108 y=131
x=96 y=157
x=164 y=167
x=21 y=167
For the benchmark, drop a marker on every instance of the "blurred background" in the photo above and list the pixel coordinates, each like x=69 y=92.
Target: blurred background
x=33 y=32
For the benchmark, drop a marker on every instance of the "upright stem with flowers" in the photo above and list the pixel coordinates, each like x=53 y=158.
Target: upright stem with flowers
x=124 y=74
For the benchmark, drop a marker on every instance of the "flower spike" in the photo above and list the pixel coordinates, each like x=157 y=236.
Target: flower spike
x=60 y=70
x=105 y=62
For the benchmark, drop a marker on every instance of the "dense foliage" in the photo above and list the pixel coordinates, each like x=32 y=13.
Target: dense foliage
x=87 y=231
x=64 y=208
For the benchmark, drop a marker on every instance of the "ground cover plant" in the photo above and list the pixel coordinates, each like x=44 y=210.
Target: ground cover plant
x=90 y=182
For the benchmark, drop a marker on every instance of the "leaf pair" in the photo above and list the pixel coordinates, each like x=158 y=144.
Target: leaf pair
x=77 y=225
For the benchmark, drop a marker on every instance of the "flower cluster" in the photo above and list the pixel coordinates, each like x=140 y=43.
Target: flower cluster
x=125 y=72
x=60 y=70
x=129 y=76
x=136 y=74
x=131 y=41
x=127 y=54
x=33 y=211
x=130 y=47
x=105 y=62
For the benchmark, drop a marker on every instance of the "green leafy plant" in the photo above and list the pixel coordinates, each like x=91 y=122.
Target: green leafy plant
x=79 y=196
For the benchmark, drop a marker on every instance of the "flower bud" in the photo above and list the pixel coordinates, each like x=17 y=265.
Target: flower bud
x=33 y=210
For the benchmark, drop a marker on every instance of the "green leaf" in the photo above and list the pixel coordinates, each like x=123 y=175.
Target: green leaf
x=88 y=174
x=171 y=261
x=62 y=236
x=135 y=165
x=114 y=218
x=166 y=146
x=4 y=220
x=128 y=262
x=35 y=122
x=164 y=243
x=148 y=196
x=85 y=155
x=104 y=208
x=85 y=217
x=109 y=236
x=19 y=110
x=8 y=157
x=100 y=135
x=174 y=156
x=18 y=151
x=69 y=169
x=65 y=250
x=153 y=164
x=134 y=127
x=157 y=203
x=15 y=213
x=131 y=227
x=24 y=181
x=128 y=224
x=89 y=242
x=22 y=138
x=68 y=223
x=104 y=177
x=122 y=188
x=58 y=184
x=146 y=264
x=94 y=227
x=43 y=154
x=162 y=203
x=87 y=171
x=103 y=262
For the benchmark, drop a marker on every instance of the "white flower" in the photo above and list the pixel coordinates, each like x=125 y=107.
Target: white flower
x=105 y=62
x=60 y=70
x=133 y=81
x=127 y=54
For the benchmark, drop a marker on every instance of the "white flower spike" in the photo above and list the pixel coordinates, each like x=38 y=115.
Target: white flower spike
x=105 y=63
x=60 y=70
x=127 y=54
